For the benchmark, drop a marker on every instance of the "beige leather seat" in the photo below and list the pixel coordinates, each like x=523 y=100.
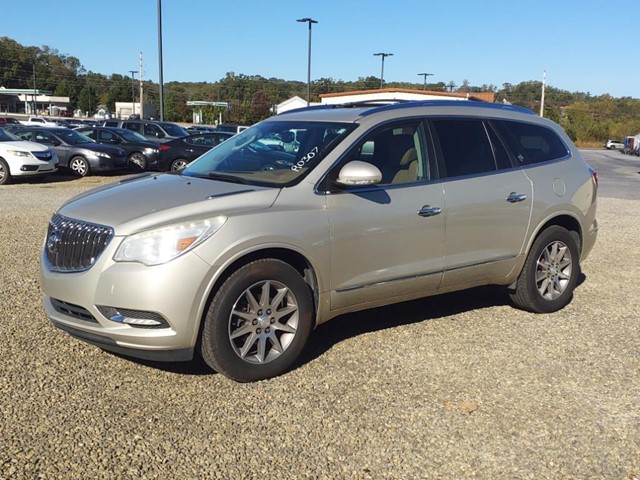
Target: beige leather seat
x=408 y=171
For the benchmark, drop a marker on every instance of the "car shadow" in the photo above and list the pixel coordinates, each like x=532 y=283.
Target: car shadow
x=351 y=325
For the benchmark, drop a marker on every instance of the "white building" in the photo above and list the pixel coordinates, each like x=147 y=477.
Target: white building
x=390 y=94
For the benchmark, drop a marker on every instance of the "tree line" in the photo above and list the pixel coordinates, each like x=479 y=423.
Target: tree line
x=589 y=120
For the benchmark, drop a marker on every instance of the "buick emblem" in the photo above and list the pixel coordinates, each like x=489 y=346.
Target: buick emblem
x=53 y=242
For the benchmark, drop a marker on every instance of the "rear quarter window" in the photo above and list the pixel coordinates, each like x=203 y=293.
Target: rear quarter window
x=531 y=143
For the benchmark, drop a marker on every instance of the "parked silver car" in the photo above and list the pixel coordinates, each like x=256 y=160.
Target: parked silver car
x=242 y=253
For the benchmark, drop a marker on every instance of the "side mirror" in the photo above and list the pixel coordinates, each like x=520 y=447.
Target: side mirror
x=358 y=173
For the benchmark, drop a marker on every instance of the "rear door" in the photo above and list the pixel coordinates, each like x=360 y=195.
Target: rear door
x=488 y=202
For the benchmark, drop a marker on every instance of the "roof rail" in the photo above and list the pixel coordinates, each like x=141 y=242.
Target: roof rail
x=379 y=105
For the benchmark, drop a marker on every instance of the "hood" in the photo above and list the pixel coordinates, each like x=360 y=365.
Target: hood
x=24 y=146
x=148 y=201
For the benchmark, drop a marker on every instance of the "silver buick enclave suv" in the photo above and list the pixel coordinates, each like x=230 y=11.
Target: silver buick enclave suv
x=241 y=254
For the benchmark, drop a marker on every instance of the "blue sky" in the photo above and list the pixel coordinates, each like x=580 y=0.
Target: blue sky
x=581 y=45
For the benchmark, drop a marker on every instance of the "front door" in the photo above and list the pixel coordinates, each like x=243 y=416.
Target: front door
x=386 y=241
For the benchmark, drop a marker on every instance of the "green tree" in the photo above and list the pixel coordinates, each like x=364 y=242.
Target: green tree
x=88 y=100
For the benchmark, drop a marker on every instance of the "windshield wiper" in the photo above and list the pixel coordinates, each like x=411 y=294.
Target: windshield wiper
x=226 y=178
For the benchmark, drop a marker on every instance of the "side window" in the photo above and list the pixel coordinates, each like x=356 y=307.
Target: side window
x=464 y=147
x=105 y=135
x=499 y=151
x=44 y=137
x=398 y=151
x=89 y=133
x=111 y=123
x=151 y=129
x=197 y=140
x=134 y=126
x=532 y=143
x=23 y=135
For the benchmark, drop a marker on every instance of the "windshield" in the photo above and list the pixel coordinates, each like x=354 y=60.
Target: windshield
x=271 y=153
x=6 y=136
x=74 y=138
x=131 y=136
x=174 y=130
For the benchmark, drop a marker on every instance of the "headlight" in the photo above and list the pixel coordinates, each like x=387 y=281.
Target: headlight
x=150 y=150
x=164 y=244
x=18 y=153
x=102 y=154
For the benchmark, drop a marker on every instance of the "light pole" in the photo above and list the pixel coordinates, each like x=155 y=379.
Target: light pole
x=310 y=21
x=425 y=75
x=133 y=95
x=383 y=55
x=160 y=81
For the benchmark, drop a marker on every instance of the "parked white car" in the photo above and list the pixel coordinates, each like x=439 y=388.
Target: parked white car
x=614 y=145
x=19 y=158
x=40 y=121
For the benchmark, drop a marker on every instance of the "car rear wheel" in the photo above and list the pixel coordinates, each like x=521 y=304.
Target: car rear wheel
x=5 y=174
x=137 y=161
x=79 y=166
x=178 y=164
x=550 y=273
x=258 y=321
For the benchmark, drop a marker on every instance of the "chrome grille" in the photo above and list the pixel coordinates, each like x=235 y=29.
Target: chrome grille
x=73 y=245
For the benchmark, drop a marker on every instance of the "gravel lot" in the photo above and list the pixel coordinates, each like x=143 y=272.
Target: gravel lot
x=458 y=386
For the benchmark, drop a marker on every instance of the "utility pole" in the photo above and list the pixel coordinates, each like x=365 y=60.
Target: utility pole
x=544 y=81
x=133 y=95
x=141 y=89
x=161 y=84
x=383 y=55
x=425 y=75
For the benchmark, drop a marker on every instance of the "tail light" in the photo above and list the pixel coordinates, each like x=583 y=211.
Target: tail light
x=594 y=176
x=164 y=147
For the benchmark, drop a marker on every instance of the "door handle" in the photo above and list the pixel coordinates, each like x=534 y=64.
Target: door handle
x=429 y=211
x=516 y=197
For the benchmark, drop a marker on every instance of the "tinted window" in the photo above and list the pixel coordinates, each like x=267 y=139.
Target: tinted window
x=464 y=147
x=88 y=132
x=499 y=151
x=111 y=123
x=532 y=143
x=151 y=129
x=105 y=135
x=135 y=126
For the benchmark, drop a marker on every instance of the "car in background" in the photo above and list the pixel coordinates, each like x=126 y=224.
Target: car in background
x=39 y=121
x=141 y=153
x=614 y=145
x=24 y=159
x=178 y=153
x=158 y=132
x=75 y=151
x=4 y=121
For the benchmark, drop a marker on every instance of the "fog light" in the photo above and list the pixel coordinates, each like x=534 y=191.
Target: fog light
x=134 y=318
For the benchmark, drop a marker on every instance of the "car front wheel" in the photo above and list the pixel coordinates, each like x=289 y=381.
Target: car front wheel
x=178 y=164
x=5 y=174
x=79 y=166
x=258 y=321
x=550 y=273
x=138 y=162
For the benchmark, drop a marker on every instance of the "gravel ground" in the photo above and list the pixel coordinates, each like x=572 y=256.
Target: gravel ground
x=458 y=386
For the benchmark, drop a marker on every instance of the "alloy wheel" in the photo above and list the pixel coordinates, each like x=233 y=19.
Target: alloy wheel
x=553 y=270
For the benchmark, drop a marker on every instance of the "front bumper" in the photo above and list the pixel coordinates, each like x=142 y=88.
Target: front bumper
x=74 y=302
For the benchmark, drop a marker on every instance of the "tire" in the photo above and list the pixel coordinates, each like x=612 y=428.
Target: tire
x=5 y=173
x=137 y=161
x=79 y=166
x=258 y=322
x=178 y=164
x=550 y=272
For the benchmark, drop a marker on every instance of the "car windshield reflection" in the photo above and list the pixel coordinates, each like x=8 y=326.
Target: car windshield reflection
x=272 y=153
